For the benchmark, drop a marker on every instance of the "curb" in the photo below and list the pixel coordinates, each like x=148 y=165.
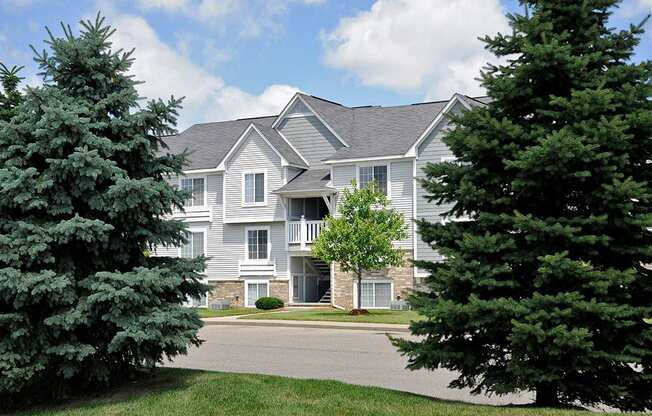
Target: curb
x=357 y=327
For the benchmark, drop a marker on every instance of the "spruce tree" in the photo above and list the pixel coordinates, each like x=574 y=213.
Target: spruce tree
x=83 y=199
x=544 y=288
x=10 y=97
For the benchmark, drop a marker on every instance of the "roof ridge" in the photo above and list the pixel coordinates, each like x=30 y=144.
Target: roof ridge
x=231 y=121
x=325 y=100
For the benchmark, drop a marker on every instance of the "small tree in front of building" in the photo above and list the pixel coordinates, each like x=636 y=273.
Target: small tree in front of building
x=360 y=237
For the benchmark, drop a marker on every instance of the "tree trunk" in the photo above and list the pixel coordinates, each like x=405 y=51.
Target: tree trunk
x=359 y=289
x=547 y=396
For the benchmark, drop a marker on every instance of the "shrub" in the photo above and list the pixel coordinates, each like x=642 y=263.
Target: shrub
x=269 y=302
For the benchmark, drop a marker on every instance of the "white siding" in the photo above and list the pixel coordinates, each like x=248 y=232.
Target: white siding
x=311 y=138
x=254 y=154
x=401 y=190
x=431 y=150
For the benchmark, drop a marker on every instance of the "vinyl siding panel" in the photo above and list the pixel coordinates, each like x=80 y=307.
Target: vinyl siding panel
x=310 y=137
x=431 y=150
x=254 y=154
x=401 y=197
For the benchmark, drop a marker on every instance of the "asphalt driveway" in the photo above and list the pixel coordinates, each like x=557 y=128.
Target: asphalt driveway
x=352 y=356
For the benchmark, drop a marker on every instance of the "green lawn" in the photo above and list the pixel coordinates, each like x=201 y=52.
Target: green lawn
x=198 y=393
x=335 y=315
x=213 y=313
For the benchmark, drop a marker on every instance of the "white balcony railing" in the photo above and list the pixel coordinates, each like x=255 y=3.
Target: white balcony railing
x=257 y=268
x=303 y=232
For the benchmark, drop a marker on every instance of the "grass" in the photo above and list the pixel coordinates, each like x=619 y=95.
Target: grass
x=214 y=313
x=190 y=392
x=334 y=315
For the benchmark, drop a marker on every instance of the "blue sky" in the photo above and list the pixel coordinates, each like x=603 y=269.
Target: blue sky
x=235 y=58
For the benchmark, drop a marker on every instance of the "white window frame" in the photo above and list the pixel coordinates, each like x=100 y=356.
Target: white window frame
x=269 y=244
x=203 y=207
x=448 y=159
x=196 y=230
x=187 y=304
x=380 y=163
x=246 y=289
x=254 y=172
x=391 y=290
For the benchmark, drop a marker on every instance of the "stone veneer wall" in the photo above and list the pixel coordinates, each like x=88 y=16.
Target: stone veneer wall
x=280 y=289
x=233 y=291
x=403 y=278
x=227 y=290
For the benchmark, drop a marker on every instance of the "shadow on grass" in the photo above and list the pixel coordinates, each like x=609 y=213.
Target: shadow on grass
x=159 y=380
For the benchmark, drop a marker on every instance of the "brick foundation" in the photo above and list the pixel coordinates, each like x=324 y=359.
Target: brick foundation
x=402 y=277
x=279 y=289
x=233 y=291
x=229 y=290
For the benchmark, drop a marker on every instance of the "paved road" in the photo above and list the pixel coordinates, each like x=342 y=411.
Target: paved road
x=359 y=357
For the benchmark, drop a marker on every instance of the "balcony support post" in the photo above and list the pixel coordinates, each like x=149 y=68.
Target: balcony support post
x=303 y=232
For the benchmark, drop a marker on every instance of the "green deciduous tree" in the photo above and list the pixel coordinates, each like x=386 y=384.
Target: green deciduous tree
x=10 y=97
x=545 y=288
x=83 y=196
x=360 y=237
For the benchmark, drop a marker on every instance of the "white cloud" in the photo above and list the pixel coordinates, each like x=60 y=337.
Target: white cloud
x=629 y=9
x=415 y=45
x=252 y=17
x=167 y=71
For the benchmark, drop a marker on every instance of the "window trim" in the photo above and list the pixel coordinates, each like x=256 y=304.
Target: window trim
x=375 y=163
x=196 y=230
x=386 y=281
x=269 y=244
x=254 y=172
x=203 y=207
x=246 y=289
x=186 y=303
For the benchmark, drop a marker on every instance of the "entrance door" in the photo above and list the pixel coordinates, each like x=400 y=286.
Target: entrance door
x=298 y=286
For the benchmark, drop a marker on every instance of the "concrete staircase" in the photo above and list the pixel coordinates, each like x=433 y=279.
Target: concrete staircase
x=326 y=298
x=322 y=267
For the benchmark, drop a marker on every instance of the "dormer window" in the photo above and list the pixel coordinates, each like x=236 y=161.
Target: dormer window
x=253 y=188
x=197 y=189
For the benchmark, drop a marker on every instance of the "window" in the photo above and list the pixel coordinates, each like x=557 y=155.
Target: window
x=200 y=302
x=257 y=244
x=376 y=294
x=254 y=188
x=196 y=187
x=377 y=174
x=255 y=291
x=194 y=245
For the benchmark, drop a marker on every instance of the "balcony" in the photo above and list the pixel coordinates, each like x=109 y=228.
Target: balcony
x=302 y=233
x=247 y=268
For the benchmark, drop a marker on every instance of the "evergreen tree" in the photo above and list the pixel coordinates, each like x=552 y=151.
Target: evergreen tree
x=83 y=197
x=544 y=289
x=10 y=97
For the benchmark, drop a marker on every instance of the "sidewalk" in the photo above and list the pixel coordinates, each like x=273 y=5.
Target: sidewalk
x=233 y=320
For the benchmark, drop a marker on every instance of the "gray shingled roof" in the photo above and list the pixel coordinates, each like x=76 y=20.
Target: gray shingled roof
x=281 y=145
x=376 y=131
x=208 y=143
x=308 y=180
x=369 y=131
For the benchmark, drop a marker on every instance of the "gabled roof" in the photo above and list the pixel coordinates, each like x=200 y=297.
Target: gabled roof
x=327 y=114
x=280 y=143
x=386 y=131
x=366 y=132
x=309 y=180
x=209 y=143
